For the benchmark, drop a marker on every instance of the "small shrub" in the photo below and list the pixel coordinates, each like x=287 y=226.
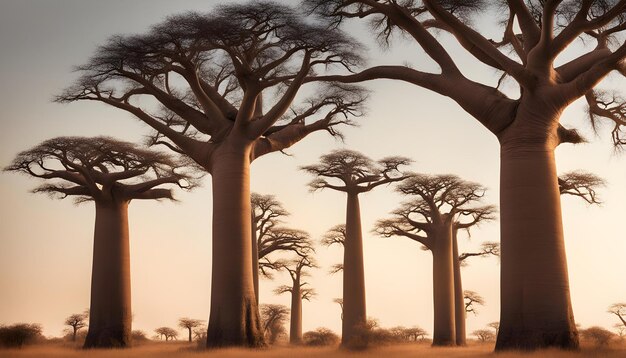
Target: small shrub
x=598 y=335
x=19 y=334
x=320 y=337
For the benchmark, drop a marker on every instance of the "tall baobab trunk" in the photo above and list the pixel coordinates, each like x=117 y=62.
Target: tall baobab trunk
x=443 y=287
x=535 y=298
x=234 y=317
x=255 y=259
x=189 y=338
x=110 y=310
x=295 y=324
x=459 y=304
x=354 y=314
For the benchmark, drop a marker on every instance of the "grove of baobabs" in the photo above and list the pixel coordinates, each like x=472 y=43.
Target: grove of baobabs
x=318 y=178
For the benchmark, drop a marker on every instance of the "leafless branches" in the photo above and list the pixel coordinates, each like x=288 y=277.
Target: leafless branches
x=103 y=168
x=472 y=299
x=350 y=171
x=581 y=184
x=488 y=248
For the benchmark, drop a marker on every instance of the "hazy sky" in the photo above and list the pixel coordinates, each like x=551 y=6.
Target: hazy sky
x=46 y=245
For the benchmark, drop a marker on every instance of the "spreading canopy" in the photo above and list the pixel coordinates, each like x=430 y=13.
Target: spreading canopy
x=198 y=78
x=102 y=168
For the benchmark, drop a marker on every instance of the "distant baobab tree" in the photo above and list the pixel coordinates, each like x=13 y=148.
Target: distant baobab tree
x=77 y=321
x=297 y=270
x=339 y=301
x=619 y=310
x=189 y=324
x=620 y=328
x=282 y=239
x=167 y=333
x=534 y=35
x=274 y=317
x=335 y=235
x=494 y=325
x=472 y=299
x=443 y=204
x=581 y=184
x=266 y=213
x=353 y=173
x=224 y=85
x=484 y=335
x=111 y=173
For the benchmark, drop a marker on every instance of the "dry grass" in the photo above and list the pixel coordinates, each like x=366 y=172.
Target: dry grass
x=183 y=350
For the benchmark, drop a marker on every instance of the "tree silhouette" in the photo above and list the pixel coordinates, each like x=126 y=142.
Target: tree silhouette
x=266 y=213
x=224 y=85
x=189 y=324
x=535 y=33
x=297 y=269
x=274 y=317
x=167 y=332
x=353 y=173
x=282 y=239
x=77 y=321
x=443 y=204
x=110 y=173
x=471 y=300
x=494 y=325
x=484 y=335
x=581 y=184
x=339 y=301
x=619 y=310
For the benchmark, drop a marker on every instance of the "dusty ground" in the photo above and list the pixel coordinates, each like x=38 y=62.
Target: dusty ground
x=181 y=350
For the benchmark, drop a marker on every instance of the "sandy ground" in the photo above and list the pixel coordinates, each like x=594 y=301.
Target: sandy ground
x=182 y=350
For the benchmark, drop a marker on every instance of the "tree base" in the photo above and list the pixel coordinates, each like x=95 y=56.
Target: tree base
x=225 y=333
x=107 y=338
x=528 y=341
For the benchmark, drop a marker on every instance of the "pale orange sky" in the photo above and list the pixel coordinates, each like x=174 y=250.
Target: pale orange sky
x=45 y=245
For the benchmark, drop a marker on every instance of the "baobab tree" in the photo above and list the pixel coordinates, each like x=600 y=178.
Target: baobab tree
x=535 y=33
x=167 y=333
x=282 y=239
x=479 y=215
x=495 y=326
x=111 y=173
x=581 y=184
x=189 y=324
x=442 y=205
x=339 y=301
x=472 y=299
x=224 y=85
x=619 y=310
x=297 y=269
x=484 y=335
x=77 y=321
x=353 y=173
x=274 y=317
x=266 y=213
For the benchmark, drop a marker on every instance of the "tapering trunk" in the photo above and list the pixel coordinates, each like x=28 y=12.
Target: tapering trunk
x=295 y=324
x=74 y=335
x=255 y=260
x=189 y=334
x=234 y=315
x=110 y=311
x=443 y=287
x=354 y=313
x=536 y=310
x=459 y=301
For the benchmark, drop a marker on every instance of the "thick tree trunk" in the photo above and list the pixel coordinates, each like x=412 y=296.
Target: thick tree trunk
x=444 y=333
x=354 y=312
x=295 y=325
x=459 y=301
x=110 y=310
x=536 y=310
x=189 y=334
x=255 y=260
x=234 y=316
x=74 y=335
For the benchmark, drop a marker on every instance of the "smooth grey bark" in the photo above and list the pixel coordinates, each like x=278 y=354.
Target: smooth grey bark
x=295 y=324
x=459 y=306
x=444 y=333
x=110 y=315
x=536 y=309
x=354 y=312
x=234 y=318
